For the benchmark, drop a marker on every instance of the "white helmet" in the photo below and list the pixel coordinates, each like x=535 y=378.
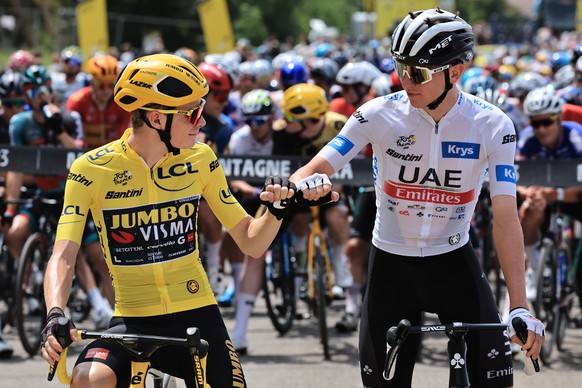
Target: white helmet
x=381 y=85
x=357 y=73
x=542 y=101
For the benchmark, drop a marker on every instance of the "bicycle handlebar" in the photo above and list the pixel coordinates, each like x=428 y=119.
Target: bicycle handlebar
x=521 y=332
x=396 y=335
x=198 y=347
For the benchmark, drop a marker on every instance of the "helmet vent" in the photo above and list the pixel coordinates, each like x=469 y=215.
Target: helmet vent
x=127 y=100
x=173 y=87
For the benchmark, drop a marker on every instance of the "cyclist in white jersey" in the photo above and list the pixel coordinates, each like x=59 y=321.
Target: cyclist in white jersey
x=433 y=147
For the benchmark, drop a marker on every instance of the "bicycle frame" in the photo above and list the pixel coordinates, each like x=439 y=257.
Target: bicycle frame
x=140 y=363
x=318 y=266
x=317 y=241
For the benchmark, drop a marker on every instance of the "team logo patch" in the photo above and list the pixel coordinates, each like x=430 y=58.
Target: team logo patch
x=460 y=150
x=192 y=286
x=97 y=353
x=454 y=240
x=227 y=197
x=341 y=144
x=505 y=173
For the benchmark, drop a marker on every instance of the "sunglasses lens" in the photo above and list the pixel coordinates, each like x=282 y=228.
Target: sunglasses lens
x=417 y=75
x=257 y=122
x=195 y=116
x=542 y=123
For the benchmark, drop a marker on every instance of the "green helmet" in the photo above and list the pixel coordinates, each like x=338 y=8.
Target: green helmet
x=257 y=102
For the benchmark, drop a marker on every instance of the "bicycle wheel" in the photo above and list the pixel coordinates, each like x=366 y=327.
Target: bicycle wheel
x=545 y=303
x=320 y=300
x=279 y=285
x=30 y=309
x=7 y=277
x=567 y=295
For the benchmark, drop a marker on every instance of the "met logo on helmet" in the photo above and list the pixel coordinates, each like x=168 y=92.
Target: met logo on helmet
x=441 y=45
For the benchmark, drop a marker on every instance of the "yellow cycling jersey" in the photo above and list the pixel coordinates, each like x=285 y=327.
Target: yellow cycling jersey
x=147 y=222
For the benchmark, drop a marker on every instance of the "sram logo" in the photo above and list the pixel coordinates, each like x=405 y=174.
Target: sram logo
x=454 y=149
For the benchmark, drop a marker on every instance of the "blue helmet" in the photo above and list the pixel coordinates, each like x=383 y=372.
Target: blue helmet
x=293 y=73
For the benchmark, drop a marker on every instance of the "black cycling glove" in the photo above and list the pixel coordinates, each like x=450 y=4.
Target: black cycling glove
x=53 y=120
x=51 y=327
x=279 y=208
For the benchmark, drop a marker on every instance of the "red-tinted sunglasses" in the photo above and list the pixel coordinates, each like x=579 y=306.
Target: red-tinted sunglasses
x=193 y=114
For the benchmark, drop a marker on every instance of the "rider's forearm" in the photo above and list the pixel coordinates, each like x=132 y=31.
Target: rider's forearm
x=58 y=279
x=254 y=235
x=508 y=238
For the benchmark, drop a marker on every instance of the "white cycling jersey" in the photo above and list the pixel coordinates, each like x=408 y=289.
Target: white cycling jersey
x=242 y=142
x=428 y=176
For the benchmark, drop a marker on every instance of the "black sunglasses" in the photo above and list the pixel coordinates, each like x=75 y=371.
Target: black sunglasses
x=544 y=122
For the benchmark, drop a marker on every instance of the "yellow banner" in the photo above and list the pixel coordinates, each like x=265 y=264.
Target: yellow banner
x=389 y=13
x=92 y=26
x=216 y=26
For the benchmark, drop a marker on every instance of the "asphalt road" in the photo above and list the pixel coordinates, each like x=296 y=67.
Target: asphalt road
x=296 y=360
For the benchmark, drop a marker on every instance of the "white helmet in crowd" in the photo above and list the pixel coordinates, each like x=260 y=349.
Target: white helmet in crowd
x=357 y=73
x=542 y=101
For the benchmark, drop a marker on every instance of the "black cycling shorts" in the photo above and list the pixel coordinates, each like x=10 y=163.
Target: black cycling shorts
x=223 y=367
x=451 y=285
x=364 y=216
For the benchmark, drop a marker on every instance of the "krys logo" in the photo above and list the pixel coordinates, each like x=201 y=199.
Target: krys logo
x=460 y=150
x=164 y=176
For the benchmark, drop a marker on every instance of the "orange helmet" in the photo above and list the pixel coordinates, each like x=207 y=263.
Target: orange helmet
x=103 y=67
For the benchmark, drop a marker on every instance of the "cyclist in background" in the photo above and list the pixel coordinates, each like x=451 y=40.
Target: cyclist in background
x=45 y=125
x=71 y=78
x=144 y=192
x=357 y=80
x=426 y=184
x=12 y=100
x=254 y=138
x=103 y=120
x=547 y=138
x=20 y=60
x=216 y=133
x=309 y=125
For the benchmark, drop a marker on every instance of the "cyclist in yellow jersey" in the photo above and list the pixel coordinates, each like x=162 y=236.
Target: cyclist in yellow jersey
x=143 y=192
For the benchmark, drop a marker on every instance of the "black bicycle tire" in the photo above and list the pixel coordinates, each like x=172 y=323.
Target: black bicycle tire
x=33 y=244
x=281 y=318
x=321 y=300
x=545 y=301
x=8 y=275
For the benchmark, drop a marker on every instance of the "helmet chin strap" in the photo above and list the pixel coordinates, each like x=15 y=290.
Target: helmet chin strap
x=448 y=86
x=165 y=135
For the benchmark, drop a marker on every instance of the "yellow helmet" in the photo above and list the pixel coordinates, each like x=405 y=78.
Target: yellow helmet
x=103 y=68
x=164 y=79
x=304 y=101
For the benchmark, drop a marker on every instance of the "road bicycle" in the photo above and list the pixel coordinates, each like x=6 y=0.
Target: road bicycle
x=556 y=292
x=281 y=268
x=456 y=346
x=140 y=364
x=279 y=281
x=28 y=309
x=319 y=278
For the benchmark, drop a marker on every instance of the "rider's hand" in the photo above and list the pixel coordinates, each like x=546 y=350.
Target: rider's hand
x=316 y=186
x=536 y=332
x=49 y=346
x=277 y=195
